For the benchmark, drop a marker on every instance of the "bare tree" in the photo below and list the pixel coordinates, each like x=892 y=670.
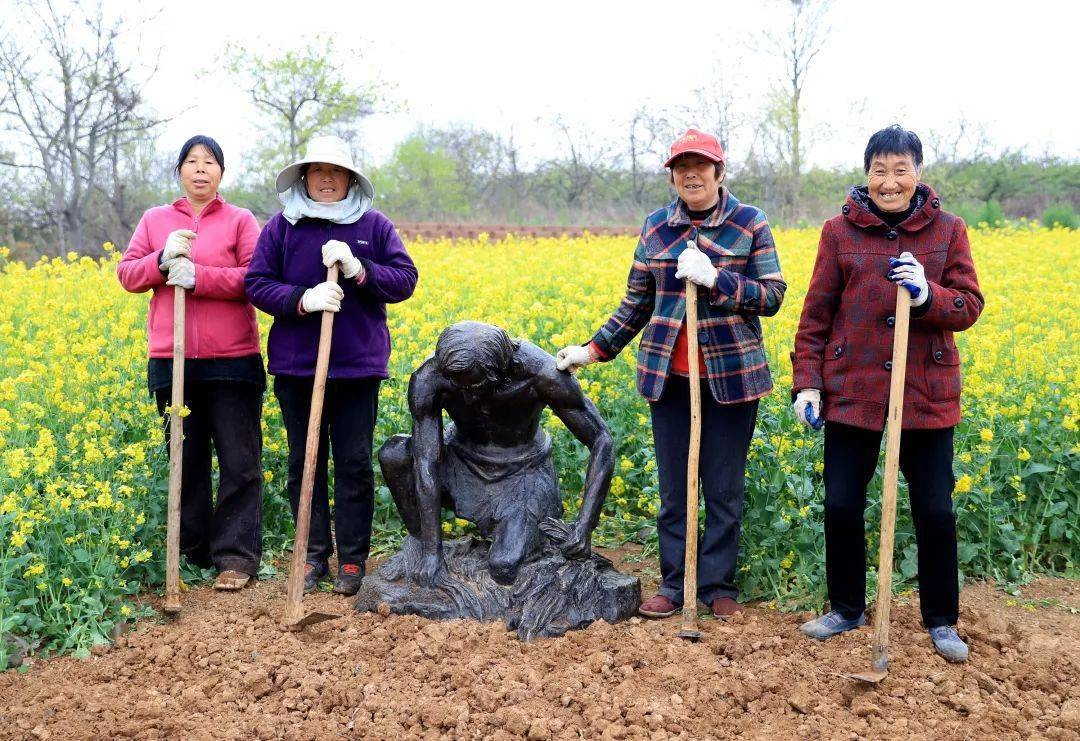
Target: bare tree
x=802 y=38
x=716 y=106
x=74 y=105
x=581 y=165
x=649 y=133
x=482 y=157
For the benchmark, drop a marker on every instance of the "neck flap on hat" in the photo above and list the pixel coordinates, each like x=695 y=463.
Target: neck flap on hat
x=296 y=205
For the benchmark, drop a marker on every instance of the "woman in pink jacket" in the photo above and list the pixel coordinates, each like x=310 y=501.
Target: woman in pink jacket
x=203 y=245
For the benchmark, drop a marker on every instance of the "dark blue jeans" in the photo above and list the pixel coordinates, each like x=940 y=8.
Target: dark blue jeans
x=726 y=430
x=348 y=423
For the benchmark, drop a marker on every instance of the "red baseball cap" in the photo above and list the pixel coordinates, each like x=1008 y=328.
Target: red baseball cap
x=696 y=142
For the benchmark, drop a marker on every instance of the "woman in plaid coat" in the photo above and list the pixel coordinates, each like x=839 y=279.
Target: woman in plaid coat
x=726 y=249
x=892 y=229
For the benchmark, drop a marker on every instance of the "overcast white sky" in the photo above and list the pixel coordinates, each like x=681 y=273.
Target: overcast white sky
x=1010 y=67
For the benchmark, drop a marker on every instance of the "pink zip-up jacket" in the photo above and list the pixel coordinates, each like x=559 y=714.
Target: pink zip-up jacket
x=220 y=322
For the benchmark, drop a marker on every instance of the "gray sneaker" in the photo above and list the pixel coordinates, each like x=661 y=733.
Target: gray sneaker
x=949 y=644
x=830 y=624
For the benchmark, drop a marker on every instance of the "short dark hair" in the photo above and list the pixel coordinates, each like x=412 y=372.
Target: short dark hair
x=894 y=139
x=469 y=346
x=206 y=141
x=718 y=168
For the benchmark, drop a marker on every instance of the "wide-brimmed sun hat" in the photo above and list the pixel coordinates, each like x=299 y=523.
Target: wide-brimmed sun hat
x=330 y=149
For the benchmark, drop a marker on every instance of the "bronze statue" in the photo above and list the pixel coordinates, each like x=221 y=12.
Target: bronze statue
x=493 y=465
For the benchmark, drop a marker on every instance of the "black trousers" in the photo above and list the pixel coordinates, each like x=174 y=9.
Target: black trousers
x=348 y=424
x=926 y=456
x=726 y=430
x=225 y=415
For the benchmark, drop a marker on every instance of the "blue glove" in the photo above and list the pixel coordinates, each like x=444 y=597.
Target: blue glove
x=908 y=272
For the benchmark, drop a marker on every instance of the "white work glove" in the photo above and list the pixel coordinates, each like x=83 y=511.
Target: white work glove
x=908 y=272
x=807 y=408
x=177 y=244
x=324 y=297
x=695 y=265
x=574 y=357
x=337 y=251
x=181 y=273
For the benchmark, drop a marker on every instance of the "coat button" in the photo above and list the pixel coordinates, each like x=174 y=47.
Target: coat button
x=838 y=352
x=891 y=234
x=846 y=209
x=936 y=203
x=958 y=302
x=939 y=355
x=890 y=322
x=702 y=337
x=888 y=365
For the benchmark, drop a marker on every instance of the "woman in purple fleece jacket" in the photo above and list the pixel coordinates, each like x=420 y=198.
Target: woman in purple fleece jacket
x=327 y=218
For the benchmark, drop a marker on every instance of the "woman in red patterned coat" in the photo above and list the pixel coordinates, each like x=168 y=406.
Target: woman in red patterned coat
x=891 y=229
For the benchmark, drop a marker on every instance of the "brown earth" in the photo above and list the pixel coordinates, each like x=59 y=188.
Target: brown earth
x=225 y=669
x=437 y=230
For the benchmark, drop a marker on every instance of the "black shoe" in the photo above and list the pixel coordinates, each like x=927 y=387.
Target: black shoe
x=313 y=574
x=348 y=580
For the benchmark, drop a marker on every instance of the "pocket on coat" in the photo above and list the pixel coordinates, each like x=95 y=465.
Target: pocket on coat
x=943 y=377
x=832 y=372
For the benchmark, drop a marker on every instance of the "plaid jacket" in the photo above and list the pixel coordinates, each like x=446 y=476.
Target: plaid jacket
x=739 y=242
x=844 y=343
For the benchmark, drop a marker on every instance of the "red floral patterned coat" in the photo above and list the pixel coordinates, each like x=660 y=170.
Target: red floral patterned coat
x=844 y=342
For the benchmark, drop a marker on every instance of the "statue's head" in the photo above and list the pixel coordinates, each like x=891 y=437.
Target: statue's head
x=474 y=355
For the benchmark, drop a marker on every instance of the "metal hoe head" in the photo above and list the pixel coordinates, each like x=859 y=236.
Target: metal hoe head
x=311 y=618
x=689 y=634
x=878 y=672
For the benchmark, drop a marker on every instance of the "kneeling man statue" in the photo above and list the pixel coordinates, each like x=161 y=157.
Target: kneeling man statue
x=492 y=465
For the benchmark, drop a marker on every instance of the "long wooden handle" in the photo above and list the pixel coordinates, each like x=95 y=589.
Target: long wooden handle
x=176 y=458
x=689 y=610
x=892 y=468
x=295 y=594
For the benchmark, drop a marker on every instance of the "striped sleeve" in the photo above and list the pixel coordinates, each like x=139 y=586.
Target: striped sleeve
x=760 y=290
x=634 y=311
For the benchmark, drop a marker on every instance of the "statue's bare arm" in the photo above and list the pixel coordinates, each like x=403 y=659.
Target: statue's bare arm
x=568 y=402
x=427 y=449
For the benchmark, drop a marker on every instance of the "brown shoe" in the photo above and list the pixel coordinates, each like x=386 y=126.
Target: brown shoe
x=231 y=581
x=658 y=607
x=725 y=607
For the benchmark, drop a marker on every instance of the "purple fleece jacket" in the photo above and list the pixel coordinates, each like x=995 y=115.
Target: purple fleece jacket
x=288 y=261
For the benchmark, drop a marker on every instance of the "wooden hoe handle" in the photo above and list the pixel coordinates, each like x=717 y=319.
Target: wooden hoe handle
x=176 y=458
x=295 y=594
x=880 y=659
x=689 y=610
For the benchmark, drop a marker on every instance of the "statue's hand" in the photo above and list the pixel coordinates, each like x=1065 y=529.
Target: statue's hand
x=573 y=540
x=430 y=566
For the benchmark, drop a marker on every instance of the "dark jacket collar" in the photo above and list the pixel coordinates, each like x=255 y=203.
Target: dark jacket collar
x=927 y=206
x=677 y=212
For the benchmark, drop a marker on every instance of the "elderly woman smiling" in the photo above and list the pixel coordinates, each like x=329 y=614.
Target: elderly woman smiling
x=327 y=218
x=891 y=229
x=725 y=250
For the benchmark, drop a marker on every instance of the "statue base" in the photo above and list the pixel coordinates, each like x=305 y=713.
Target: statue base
x=551 y=594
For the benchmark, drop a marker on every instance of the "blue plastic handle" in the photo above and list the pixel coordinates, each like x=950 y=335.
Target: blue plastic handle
x=815 y=422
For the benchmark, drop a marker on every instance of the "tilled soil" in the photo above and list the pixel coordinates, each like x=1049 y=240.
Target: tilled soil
x=225 y=669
